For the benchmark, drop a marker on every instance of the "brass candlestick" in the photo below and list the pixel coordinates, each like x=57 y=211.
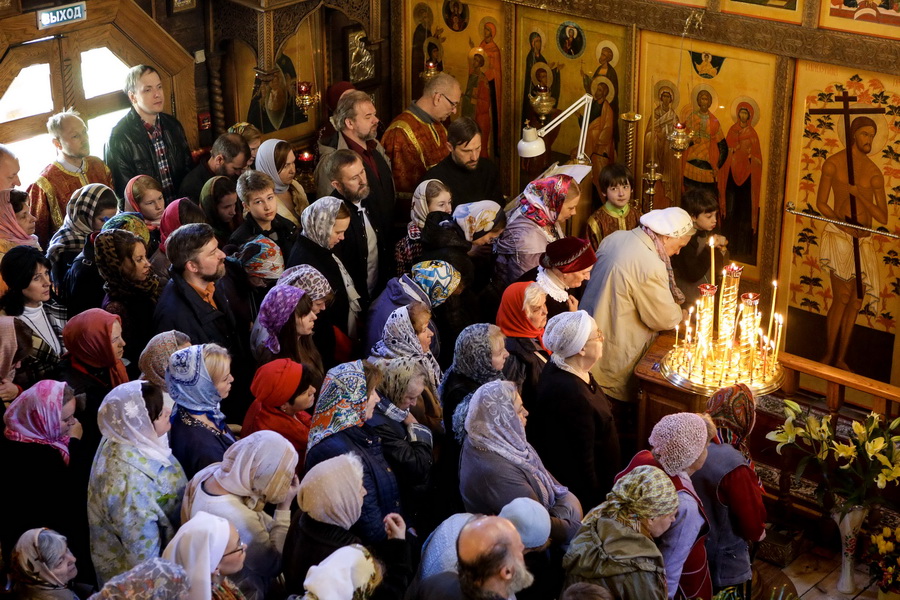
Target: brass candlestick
x=631 y=119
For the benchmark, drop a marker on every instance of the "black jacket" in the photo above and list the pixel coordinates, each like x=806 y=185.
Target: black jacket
x=531 y=359
x=182 y=309
x=354 y=249
x=467 y=185
x=282 y=228
x=81 y=286
x=130 y=151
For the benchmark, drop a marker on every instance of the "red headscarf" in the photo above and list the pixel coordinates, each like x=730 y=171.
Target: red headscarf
x=87 y=338
x=274 y=384
x=169 y=222
x=511 y=318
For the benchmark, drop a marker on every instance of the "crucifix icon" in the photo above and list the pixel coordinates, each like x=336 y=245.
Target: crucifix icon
x=845 y=111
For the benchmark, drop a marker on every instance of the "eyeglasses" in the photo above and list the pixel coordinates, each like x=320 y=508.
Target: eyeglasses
x=452 y=103
x=242 y=547
x=600 y=338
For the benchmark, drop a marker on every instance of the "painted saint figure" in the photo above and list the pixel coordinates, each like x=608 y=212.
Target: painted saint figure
x=740 y=179
x=424 y=19
x=836 y=249
x=476 y=101
x=707 y=150
x=493 y=75
x=604 y=69
x=600 y=147
x=656 y=148
x=535 y=55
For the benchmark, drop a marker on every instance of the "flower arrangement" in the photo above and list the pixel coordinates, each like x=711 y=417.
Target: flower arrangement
x=851 y=471
x=883 y=558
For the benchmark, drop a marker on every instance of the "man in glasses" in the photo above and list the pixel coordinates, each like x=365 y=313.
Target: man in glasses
x=416 y=140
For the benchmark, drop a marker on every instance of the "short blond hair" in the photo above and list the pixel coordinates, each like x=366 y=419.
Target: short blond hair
x=217 y=361
x=496 y=338
x=55 y=123
x=535 y=296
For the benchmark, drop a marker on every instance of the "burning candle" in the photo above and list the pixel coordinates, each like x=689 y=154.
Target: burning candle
x=772 y=312
x=712 y=258
x=306 y=157
x=676 y=336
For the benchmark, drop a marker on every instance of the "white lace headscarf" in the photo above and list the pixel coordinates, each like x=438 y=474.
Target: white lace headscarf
x=123 y=418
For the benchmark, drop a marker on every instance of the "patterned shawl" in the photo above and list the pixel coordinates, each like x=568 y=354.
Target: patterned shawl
x=543 y=198
x=318 y=219
x=261 y=257
x=473 y=354
x=30 y=569
x=476 y=218
x=342 y=402
x=129 y=221
x=110 y=264
x=123 y=419
x=190 y=385
x=277 y=307
x=309 y=280
x=644 y=492
x=733 y=410
x=78 y=224
x=34 y=416
x=399 y=340
x=153 y=579
x=437 y=278
x=155 y=358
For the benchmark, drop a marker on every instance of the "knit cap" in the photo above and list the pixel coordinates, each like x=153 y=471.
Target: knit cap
x=678 y=440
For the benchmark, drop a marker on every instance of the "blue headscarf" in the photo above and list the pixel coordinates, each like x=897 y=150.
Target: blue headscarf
x=191 y=387
x=437 y=278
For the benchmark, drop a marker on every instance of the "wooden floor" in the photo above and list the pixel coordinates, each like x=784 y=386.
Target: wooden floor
x=814 y=575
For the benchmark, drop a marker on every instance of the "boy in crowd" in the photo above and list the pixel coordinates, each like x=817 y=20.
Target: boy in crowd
x=257 y=193
x=616 y=184
x=691 y=265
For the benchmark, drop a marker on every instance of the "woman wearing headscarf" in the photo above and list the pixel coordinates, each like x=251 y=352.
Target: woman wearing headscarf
x=496 y=450
x=86 y=212
x=522 y=317
x=535 y=222
x=209 y=549
x=258 y=469
x=42 y=566
x=324 y=224
x=349 y=572
x=288 y=318
x=179 y=212
x=615 y=546
x=568 y=404
x=312 y=282
x=562 y=271
x=219 y=201
x=347 y=400
x=132 y=288
x=406 y=335
x=144 y=195
x=730 y=490
x=153 y=579
x=134 y=495
x=250 y=273
x=276 y=159
x=283 y=393
x=198 y=378
x=431 y=282
x=16 y=224
x=42 y=453
x=94 y=365
x=429 y=196
x=154 y=359
x=679 y=447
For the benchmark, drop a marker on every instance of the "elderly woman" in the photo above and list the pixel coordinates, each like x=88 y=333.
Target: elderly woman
x=569 y=405
x=347 y=401
x=496 y=450
x=198 y=378
x=562 y=271
x=350 y=572
x=324 y=224
x=615 y=546
x=132 y=288
x=430 y=196
x=730 y=491
x=134 y=496
x=522 y=317
x=679 y=447
x=431 y=282
x=257 y=470
x=42 y=454
x=219 y=201
x=16 y=224
x=537 y=220
x=632 y=295
x=153 y=579
x=276 y=159
x=283 y=393
x=154 y=359
x=209 y=549
x=42 y=566
x=406 y=335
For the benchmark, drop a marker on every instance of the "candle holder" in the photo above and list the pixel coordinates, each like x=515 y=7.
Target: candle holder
x=707 y=360
x=679 y=139
x=542 y=103
x=305 y=98
x=430 y=71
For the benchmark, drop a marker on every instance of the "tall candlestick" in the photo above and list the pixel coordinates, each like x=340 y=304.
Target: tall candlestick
x=712 y=259
x=772 y=312
x=676 y=336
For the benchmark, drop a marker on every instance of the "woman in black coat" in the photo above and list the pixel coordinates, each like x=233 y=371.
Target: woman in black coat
x=521 y=317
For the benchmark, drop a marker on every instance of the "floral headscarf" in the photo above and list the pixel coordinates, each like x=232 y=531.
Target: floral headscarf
x=309 y=280
x=153 y=579
x=733 y=410
x=10 y=230
x=398 y=372
x=265 y=162
x=35 y=416
x=492 y=424
x=318 y=219
x=79 y=221
x=87 y=337
x=473 y=354
x=261 y=257
x=645 y=492
x=190 y=385
x=342 y=402
x=277 y=307
x=543 y=198
x=476 y=218
x=437 y=278
x=30 y=568
x=155 y=358
x=123 y=419
x=419 y=207
x=399 y=340
x=116 y=283
x=129 y=221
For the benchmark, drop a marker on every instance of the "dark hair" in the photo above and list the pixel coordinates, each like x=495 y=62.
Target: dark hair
x=253 y=181
x=186 y=242
x=282 y=149
x=697 y=201
x=586 y=591
x=472 y=575
x=24 y=340
x=461 y=131
x=290 y=341
x=18 y=200
x=190 y=212
x=615 y=174
x=337 y=160
x=221 y=187
x=106 y=201
x=153 y=399
x=306 y=381
x=17 y=268
x=229 y=146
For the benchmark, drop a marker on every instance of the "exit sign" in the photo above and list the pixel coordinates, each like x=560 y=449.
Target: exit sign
x=61 y=15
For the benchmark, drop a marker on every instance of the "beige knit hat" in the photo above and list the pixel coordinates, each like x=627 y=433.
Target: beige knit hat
x=678 y=440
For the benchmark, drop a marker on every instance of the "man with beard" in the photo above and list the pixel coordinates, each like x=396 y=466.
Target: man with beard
x=228 y=157
x=364 y=249
x=356 y=124
x=72 y=170
x=469 y=177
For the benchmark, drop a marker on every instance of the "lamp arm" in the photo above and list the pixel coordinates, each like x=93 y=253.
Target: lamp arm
x=582 y=102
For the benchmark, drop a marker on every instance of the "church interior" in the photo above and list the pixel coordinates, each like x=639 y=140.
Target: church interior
x=752 y=100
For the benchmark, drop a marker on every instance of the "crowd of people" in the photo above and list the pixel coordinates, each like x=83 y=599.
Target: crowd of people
x=215 y=386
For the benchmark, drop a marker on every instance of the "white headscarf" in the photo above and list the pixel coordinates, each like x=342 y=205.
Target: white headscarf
x=567 y=333
x=265 y=162
x=347 y=573
x=123 y=418
x=419 y=206
x=199 y=547
x=476 y=217
x=257 y=468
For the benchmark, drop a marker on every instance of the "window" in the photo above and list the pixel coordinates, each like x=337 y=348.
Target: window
x=28 y=95
x=101 y=72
